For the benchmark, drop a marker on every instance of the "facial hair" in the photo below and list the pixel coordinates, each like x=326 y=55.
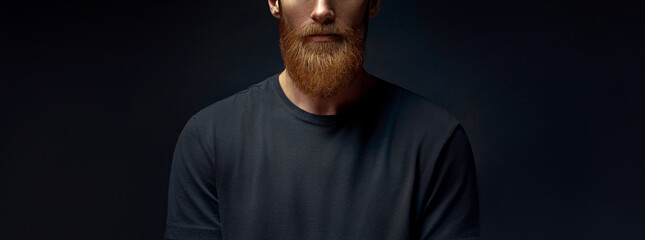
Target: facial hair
x=322 y=69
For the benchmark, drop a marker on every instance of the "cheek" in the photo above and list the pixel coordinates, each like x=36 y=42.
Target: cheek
x=351 y=13
x=296 y=21
x=296 y=16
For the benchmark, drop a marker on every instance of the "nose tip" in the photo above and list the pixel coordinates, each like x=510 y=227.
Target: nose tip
x=323 y=13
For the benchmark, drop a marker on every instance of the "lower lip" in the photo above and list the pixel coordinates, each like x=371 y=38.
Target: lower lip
x=324 y=38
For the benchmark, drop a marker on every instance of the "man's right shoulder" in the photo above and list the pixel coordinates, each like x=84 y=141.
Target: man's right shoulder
x=237 y=106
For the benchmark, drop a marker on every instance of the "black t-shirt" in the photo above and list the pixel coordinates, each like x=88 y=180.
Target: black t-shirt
x=255 y=166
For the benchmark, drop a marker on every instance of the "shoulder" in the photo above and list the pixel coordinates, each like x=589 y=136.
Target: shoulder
x=239 y=103
x=232 y=110
x=414 y=109
x=431 y=126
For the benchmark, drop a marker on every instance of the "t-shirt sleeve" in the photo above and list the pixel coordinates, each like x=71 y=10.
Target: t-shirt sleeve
x=451 y=208
x=193 y=205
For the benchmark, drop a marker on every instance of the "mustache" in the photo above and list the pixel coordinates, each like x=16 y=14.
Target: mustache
x=319 y=29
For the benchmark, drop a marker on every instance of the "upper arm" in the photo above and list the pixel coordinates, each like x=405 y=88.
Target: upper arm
x=193 y=205
x=450 y=208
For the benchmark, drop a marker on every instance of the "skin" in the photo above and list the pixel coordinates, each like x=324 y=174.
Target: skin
x=302 y=12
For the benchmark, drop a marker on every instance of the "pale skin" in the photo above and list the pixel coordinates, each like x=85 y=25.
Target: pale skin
x=301 y=12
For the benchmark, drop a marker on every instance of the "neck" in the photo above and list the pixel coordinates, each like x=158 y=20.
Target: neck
x=330 y=106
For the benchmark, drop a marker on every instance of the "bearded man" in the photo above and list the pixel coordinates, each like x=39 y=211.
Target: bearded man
x=323 y=150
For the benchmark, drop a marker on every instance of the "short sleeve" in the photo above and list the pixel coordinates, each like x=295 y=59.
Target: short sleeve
x=451 y=208
x=193 y=206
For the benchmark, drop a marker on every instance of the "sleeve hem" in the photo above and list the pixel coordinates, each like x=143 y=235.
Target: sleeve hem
x=179 y=233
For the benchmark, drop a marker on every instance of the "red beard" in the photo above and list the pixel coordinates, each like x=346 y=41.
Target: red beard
x=322 y=69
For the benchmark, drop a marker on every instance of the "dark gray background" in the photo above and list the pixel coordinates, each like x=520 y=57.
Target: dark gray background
x=94 y=96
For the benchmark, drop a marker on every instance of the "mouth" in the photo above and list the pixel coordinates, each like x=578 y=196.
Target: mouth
x=324 y=37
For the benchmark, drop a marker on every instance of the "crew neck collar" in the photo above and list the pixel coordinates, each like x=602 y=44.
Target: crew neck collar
x=323 y=120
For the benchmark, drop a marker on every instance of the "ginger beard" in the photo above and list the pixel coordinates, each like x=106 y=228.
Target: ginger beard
x=322 y=69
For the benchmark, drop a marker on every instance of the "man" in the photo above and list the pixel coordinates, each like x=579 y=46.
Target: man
x=323 y=150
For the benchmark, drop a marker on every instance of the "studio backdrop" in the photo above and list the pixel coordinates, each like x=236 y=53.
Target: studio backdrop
x=95 y=95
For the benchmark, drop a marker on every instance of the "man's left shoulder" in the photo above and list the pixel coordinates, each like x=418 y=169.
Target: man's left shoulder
x=418 y=110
